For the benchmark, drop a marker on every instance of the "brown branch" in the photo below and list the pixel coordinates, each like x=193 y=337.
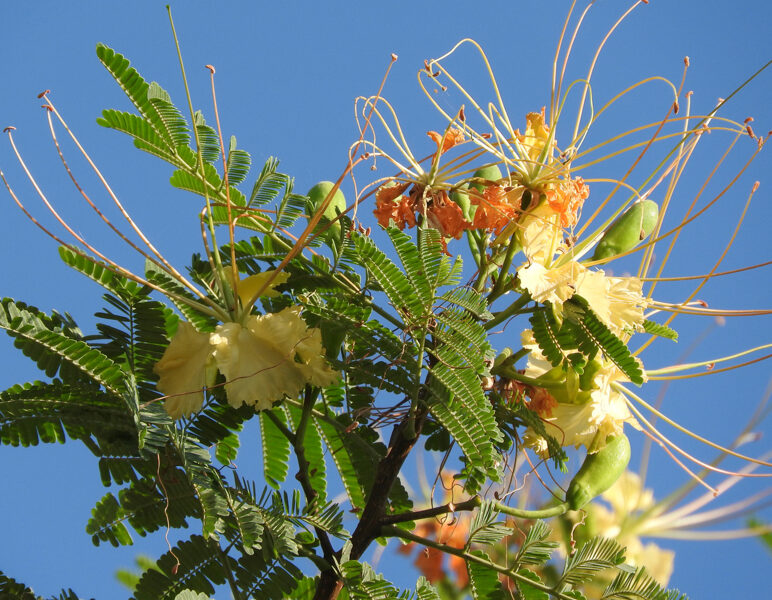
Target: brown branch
x=369 y=527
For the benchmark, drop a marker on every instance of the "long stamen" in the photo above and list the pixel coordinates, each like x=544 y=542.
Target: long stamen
x=234 y=267
x=168 y=266
x=682 y=429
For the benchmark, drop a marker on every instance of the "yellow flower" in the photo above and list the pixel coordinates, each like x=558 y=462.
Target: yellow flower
x=269 y=357
x=183 y=371
x=550 y=285
x=587 y=420
x=626 y=497
x=618 y=301
x=539 y=233
x=249 y=286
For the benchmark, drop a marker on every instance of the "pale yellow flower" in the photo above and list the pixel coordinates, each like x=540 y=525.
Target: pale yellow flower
x=617 y=301
x=269 y=357
x=626 y=497
x=249 y=286
x=588 y=419
x=550 y=285
x=539 y=233
x=183 y=371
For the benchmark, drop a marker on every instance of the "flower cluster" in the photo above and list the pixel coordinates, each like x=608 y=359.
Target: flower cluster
x=536 y=208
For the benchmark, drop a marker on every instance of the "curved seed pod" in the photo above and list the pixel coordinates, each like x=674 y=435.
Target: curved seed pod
x=599 y=472
x=629 y=230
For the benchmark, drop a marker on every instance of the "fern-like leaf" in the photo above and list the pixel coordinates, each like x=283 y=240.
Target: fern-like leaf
x=192 y=564
x=392 y=280
x=654 y=328
x=594 y=334
x=136 y=88
x=535 y=550
x=32 y=333
x=483 y=580
x=413 y=265
x=276 y=449
x=640 y=585
x=591 y=558
x=485 y=529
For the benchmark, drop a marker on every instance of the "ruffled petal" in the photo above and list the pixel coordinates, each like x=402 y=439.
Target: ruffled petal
x=182 y=371
x=269 y=357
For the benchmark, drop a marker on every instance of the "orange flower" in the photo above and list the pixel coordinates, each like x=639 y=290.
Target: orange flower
x=567 y=198
x=452 y=138
x=430 y=560
x=387 y=210
x=446 y=216
x=541 y=402
x=494 y=209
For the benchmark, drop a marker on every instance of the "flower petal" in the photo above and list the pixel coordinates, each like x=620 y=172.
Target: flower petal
x=183 y=371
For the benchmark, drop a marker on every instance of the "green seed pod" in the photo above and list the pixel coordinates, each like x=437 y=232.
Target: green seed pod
x=629 y=230
x=461 y=197
x=337 y=205
x=490 y=173
x=599 y=471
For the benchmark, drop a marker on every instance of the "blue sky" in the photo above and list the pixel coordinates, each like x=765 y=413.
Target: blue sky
x=287 y=75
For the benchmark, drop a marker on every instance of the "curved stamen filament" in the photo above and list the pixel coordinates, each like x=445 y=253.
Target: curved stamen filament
x=168 y=266
x=623 y=390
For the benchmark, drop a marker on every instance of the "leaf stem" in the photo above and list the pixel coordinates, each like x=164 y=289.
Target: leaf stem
x=392 y=531
x=471 y=504
x=508 y=312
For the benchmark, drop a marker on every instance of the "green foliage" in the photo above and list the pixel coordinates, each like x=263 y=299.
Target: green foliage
x=415 y=355
x=581 y=332
x=192 y=564
x=594 y=556
x=629 y=585
x=52 y=341
x=485 y=527
x=483 y=580
x=664 y=331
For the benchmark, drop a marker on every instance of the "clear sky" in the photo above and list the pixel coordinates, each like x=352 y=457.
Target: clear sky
x=287 y=76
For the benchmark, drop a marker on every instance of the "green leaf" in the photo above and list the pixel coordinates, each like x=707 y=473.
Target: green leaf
x=137 y=90
x=314 y=453
x=238 y=163
x=145 y=136
x=425 y=590
x=249 y=522
x=227 y=449
x=529 y=592
x=413 y=265
x=628 y=585
x=35 y=334
x=392 y=280
x=545 y=331
x=483 y=580
x=276 y=449
x=470 y=300
x=106 y=523
x=35 y=412
x=535 y=550
x=485 y=529
x=591 y=558
x=592 y=334
x=339 y=451
x=192 y=564
x=12 y=589
x=661 y=330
